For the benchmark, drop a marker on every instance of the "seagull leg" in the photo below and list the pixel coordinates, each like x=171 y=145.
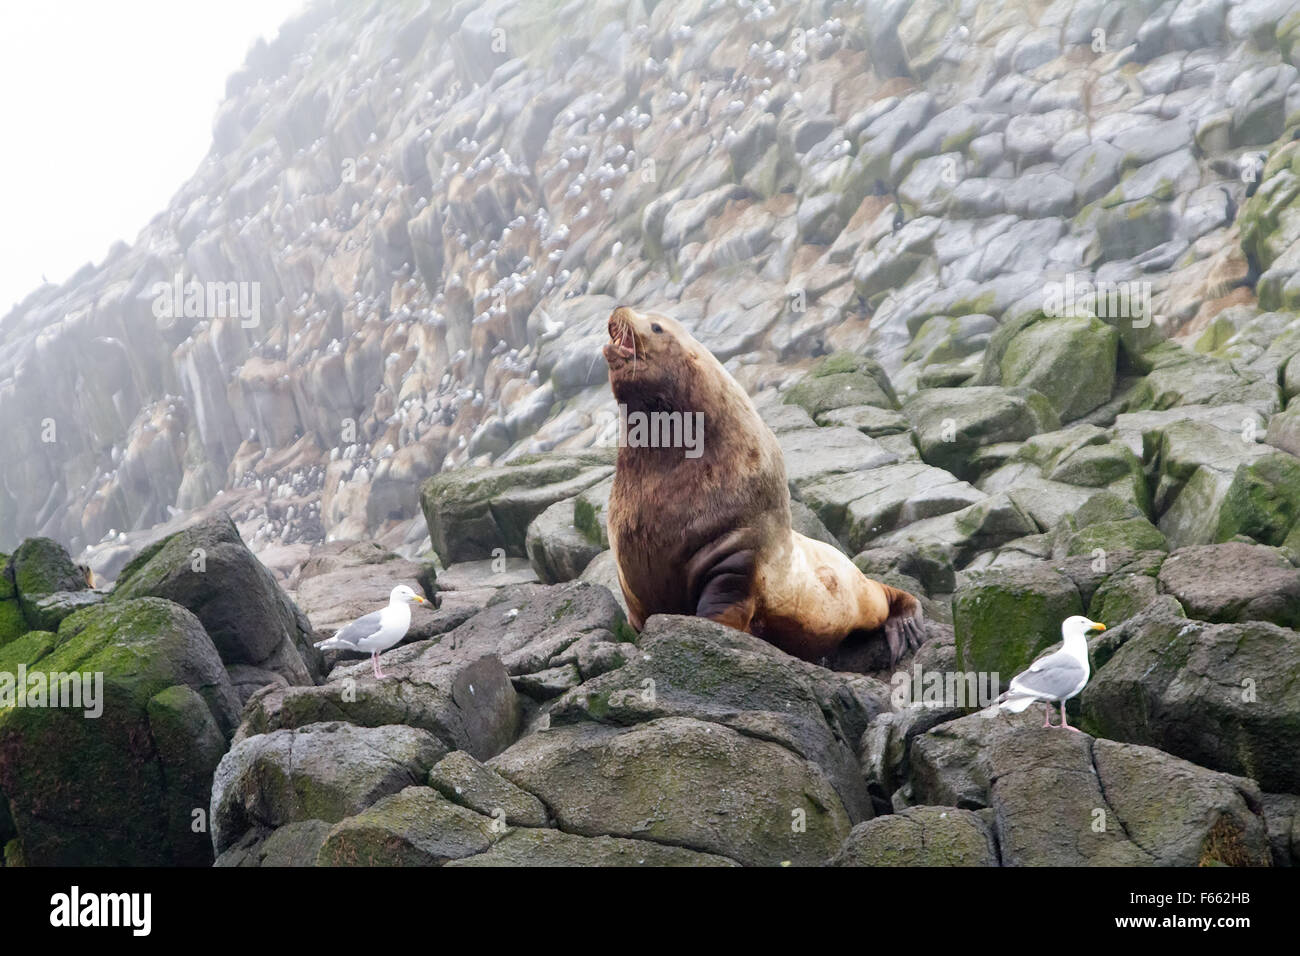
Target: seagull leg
x=1047 y=715
x=374 y=660
x=1065 y=723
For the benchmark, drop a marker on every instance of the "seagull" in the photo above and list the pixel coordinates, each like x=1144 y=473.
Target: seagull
x=1057 y=677
x=379 y=630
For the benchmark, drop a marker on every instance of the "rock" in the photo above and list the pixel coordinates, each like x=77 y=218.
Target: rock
x=557 y=550
x=208 y=569
x=1282 y=814
x=646 y=781
x=465 y=700
x=1004 y=618
x=36 y=572
x=861 y=506
x=294 y=844
x=119 y=789
x=951 y=423
x=463 y=780
x=325 y=771
x=557 y=848
x=1066 y=799
x=920 y=836
x=843 y=380
x=813 y=453
x=346 y=579
x=1216 y=694
x=1233 y=582
x=1070 y=361
x=688 y=667
x=473 y=511
x=416 y=826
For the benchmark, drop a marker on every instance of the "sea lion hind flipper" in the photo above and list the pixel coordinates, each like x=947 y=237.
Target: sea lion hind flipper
x=905 y=626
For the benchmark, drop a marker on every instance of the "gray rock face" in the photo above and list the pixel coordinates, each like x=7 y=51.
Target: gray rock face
x=1212 y=693
x=603 y=780
x=1067 y=800
x=323 y=771
x=920 y=836
x=208 y=569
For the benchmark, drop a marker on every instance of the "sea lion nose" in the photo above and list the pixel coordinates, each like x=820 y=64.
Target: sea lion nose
x=622 y=316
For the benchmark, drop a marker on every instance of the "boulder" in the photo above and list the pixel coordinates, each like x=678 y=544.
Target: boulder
x=689 y=667
x=471 y=512
x=765 y=805
x=1218 y=694
x=1004 y=618
x=1065 y=799
x=121 y=787
x=1233 y=582
x=1070 y=361
x=416 y=826
x=920 y=836
x=466 y=701
x=208 y=569
x=294 y=844
x=953 y=423
x=463 y=780
x=326 y=771
x=557 y=549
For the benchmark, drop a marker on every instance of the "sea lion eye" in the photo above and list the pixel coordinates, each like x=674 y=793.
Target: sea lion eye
x=656 y=327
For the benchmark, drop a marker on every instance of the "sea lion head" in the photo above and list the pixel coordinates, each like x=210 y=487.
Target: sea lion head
x=651 y=358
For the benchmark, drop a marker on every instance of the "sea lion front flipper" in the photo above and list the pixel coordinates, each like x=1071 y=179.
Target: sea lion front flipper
x=905 y=626
x=722 y=577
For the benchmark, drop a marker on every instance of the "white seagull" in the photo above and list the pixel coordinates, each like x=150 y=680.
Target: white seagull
x=378 y=630
x=1057 y=677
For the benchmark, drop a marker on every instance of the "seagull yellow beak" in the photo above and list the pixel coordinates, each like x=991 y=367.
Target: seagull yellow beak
x=1097 y=626
x=421 y=600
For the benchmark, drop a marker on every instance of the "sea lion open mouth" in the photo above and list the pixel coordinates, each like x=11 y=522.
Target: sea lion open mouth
x=622 y=340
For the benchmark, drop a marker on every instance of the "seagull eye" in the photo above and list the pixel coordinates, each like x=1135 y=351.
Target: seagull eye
x=656 y=327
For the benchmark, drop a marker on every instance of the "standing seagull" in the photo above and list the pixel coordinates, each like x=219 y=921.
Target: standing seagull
x=378 y=630
x=1057 y=677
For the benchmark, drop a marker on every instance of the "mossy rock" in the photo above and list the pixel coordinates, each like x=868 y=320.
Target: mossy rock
x=208 y=569
x=471 y=512
x=1004 y=618
x=1263 y=500
x=953 y=423
x=841 y=380
x=324 y=771
x=1131 y=534
x=118 y=789
x=1071 y=361
x=683 y=782
x=12 y=623
x=1219 y=695
x=42 y=566
x=1120 y=597
x=417 y=826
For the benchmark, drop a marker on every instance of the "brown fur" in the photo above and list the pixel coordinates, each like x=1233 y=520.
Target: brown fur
x=712 y=535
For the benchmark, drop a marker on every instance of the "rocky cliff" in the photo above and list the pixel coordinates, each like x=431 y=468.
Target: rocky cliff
x=397 y=256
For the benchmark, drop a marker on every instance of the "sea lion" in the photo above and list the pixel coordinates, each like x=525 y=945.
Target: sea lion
x=706 y=530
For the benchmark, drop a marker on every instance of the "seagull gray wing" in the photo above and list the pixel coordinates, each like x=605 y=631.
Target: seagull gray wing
x=366 y=626
x=1051 y=678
